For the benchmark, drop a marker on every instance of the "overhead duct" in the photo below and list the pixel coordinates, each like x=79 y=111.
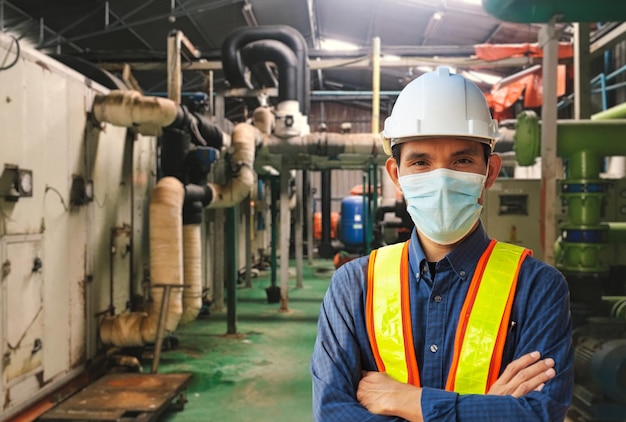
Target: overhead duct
x=535 y=11
x=235 y=70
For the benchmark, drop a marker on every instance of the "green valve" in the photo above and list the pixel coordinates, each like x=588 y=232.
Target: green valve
x=527 y=145
x=582 y=257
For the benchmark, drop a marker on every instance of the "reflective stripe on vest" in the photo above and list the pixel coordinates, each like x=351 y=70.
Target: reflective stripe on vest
x=389 y=325
x=483 y=323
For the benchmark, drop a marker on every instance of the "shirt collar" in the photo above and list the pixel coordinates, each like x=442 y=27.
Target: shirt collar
x=462 y=259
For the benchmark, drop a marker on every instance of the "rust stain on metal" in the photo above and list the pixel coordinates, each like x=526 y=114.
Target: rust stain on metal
x=115 y=394
x=42 y=65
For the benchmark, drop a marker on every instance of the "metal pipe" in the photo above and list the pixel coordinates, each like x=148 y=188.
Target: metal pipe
x=285 y=235
x=376 y=85
x=572 y=137
x=230 y=245
x=617 y=232
x=174 y=69
x=285 y=59
x=275 y=196
x=326 y=190
x=161 y=327
x=617 y=112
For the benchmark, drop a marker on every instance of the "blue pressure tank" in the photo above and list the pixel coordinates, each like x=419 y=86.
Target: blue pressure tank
x=352 y=222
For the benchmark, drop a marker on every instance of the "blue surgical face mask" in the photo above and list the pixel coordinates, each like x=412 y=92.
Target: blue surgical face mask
x=443 y=203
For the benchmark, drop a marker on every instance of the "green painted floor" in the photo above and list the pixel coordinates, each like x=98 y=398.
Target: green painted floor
x=262 y=374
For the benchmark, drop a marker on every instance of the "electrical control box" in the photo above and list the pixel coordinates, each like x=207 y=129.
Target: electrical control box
x=511 y=212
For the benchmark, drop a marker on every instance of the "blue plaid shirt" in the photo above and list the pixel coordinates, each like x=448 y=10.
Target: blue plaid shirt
x=542 y=322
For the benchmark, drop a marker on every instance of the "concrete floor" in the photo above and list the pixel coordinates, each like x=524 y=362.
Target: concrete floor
x=261 y=374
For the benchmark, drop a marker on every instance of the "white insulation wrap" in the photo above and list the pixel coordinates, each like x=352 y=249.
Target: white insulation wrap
x=192 y=294
x=166 y=268
x=244 y=141
x=130 y=108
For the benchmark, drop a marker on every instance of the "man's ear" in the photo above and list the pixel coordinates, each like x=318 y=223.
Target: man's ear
x=493 y=169
x=392 y=170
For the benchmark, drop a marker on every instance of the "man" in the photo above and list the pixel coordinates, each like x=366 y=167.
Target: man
x=452 y=326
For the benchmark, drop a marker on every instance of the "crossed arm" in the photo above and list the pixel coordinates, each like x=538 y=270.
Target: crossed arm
x=530 y=388
x=382 y=395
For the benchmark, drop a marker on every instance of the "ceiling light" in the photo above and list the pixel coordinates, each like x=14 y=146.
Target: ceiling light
x=474 y=2
x=330 y=44
x=480 y=77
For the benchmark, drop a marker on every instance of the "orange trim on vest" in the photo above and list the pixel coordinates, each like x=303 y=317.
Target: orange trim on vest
x=369 y=314
x=407 y=325
x=465 y=313
x=496 y=361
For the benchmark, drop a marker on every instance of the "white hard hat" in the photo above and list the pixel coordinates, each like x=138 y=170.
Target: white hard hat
x=440 y=104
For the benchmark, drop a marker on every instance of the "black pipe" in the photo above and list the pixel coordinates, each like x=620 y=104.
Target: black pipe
x=212 y=134
x=192 y=212
x=198 y=193
x=263 y=76
x=175 y=144
x=203 y=132
x=381 y=211
x=234 y=69
x=231 y=273
x=277 y=52
x=325 y=247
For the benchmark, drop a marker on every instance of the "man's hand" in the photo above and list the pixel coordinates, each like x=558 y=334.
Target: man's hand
x=524 y=375
x=382 y=395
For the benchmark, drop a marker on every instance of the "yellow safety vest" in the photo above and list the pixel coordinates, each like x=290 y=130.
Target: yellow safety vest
x=483 y=322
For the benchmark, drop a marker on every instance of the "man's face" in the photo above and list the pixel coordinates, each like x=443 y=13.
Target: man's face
x=426 y=155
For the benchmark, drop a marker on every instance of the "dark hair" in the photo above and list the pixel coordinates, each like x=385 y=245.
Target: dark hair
x=395 y=153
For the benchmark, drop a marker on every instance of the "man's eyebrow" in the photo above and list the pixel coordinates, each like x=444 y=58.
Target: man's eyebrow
x=467 y=151
x=417 y=155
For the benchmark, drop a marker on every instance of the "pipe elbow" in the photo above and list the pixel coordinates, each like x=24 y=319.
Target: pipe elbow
x=244 y=141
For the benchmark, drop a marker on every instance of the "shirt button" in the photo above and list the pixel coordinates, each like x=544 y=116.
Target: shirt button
x=462 y=273
x=437 y=298
x=434 y=348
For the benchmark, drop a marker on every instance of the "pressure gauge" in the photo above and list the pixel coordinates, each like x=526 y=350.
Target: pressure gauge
x=25 y=182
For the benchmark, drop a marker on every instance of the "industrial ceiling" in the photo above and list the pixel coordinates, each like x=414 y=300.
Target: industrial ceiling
x=414 y=35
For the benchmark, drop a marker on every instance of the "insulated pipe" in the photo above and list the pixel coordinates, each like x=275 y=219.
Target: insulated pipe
x=326 y=144
x=234 y=70
x=245 y=138
x=166 y=268
x=263 y=119
x=192 y=294
x=130 y=108
x=277 y=52
x=151 y=114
